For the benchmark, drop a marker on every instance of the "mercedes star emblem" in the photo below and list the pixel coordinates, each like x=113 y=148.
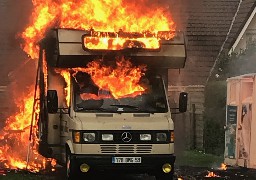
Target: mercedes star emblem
x=126 y=137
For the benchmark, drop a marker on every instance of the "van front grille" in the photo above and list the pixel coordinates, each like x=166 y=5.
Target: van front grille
x=126 y=149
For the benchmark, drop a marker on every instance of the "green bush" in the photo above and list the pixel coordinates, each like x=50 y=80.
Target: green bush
x=214 y=138
x=215 y=117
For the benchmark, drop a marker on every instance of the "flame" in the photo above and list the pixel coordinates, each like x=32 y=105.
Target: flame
x=121 y=80
x=66 y=75
x=45 y=72
x=123 y=40
x=87 y=96
x=223 y=167
x=42 y=18
x=14 y=137
x=212 y=174
x=110 y=15
x=106 y=43
x=101 y=15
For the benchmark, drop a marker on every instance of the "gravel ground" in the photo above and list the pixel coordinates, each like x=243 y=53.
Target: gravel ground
x=181 y=173
x=200 y=173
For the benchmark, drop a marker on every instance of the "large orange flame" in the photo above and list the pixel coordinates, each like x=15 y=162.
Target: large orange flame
x=14 y=138
x=101 y=15
x=122 y=80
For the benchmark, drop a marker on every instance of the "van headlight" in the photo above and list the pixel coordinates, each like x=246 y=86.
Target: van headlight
x=107 y=137
x=89 y=137
x=76 y=136
x=160 y=137
x=145 y=137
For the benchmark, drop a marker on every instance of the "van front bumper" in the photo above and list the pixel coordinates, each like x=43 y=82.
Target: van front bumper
x=103 y=163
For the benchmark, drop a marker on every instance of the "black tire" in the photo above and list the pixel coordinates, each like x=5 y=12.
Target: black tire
x=70 y=166
x=163 y=176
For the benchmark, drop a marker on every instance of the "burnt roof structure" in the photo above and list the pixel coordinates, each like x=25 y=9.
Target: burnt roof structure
x=64 y=48
x=211 y=27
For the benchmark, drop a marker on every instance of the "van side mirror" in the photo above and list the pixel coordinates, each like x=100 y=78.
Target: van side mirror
x=52 y=101
x=183 y=102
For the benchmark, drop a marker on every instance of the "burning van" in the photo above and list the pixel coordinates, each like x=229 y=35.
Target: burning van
x=103 y=101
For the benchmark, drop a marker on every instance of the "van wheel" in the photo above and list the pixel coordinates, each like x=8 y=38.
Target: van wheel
x=164 y=176
x=70 y=173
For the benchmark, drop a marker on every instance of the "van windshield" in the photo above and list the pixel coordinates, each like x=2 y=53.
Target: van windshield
x=151 y=99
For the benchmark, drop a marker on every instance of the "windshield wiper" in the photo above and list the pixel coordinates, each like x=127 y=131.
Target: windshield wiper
x=86 y=109
x=138 y=109
x=125 y=106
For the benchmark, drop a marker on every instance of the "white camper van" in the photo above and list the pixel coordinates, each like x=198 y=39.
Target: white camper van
x=107 y=134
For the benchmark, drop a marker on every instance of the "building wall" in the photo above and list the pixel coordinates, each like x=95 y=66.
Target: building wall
x=188 y=126
x=248 y=37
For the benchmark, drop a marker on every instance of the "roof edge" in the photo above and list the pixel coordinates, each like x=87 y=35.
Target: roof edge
x=251 y=15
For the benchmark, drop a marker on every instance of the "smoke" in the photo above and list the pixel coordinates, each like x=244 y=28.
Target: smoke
x=244 y=64
x=17 y=73
x=179 y=10
x=14 y=18
x=56 y=82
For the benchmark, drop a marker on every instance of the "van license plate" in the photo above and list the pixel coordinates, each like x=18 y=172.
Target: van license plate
x=119 y=160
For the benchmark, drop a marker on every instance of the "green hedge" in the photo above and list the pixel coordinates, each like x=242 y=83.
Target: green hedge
x=215 y=117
